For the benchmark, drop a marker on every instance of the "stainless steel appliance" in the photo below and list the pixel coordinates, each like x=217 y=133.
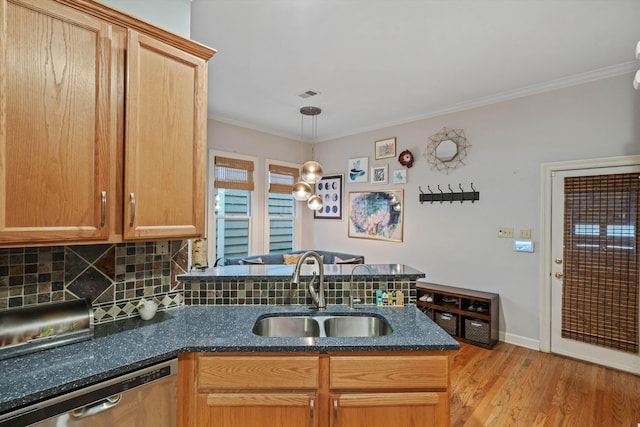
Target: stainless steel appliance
x=33 y=328
x=147 y=397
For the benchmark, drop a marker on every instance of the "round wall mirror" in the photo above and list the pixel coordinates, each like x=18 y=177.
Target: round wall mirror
x=446 y=150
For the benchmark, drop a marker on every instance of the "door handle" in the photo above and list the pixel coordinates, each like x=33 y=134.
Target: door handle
x=103 y=211
x=96 y=408
x=558 y=260
x=558 y=275
x=132 y=196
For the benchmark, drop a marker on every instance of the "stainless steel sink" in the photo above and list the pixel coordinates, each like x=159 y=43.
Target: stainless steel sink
x=338 y=325
x=356 y=326
x=287 y=326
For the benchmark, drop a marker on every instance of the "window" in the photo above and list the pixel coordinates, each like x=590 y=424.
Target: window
x=233 y=190
x=281 y=209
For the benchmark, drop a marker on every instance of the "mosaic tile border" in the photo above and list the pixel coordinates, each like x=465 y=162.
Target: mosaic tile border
x=280 y=292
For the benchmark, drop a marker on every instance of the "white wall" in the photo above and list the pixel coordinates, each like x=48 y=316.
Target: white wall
x=457 y=244
x=172 y=15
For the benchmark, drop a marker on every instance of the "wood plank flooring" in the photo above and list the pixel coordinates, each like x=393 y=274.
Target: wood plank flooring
x=515 y=386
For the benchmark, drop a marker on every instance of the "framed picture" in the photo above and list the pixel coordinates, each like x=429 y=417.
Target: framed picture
x=329 y=189
x=400 y=176
x=379 y=174
x=385 y=148
x=357 y=169
x=376 y=215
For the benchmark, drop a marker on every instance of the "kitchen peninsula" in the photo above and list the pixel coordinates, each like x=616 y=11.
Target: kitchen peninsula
x=270 y=284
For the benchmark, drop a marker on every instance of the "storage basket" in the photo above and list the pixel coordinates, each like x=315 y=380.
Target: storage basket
x=448 y=322
x=476 y=330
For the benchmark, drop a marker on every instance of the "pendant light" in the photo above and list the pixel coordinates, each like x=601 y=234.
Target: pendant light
x=311 y=171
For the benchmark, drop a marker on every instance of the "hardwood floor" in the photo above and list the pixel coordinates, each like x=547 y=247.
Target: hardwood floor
x=515 y=386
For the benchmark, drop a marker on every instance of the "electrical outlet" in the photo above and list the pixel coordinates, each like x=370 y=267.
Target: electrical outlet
x=162 y=248
x=505 y=232
x=525 y=233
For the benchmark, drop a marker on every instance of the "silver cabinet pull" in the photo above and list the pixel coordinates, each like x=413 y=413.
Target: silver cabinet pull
x=103 y=213
x=96 y=408
x=311 y=405
x=132 y=196
x=335 y=413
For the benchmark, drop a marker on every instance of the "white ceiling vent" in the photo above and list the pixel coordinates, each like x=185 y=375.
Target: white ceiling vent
x=308 y=94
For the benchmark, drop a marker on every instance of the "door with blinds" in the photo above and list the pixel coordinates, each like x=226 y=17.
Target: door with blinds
x=594 y=274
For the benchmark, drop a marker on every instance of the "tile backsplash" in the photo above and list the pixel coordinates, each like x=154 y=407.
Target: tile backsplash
x=113 y=276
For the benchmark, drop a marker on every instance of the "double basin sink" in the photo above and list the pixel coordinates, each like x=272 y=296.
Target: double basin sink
x=330 y=325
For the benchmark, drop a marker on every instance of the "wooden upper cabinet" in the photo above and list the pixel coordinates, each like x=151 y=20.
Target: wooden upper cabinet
x=54 y=123
x=165 y=143
x=98 y=108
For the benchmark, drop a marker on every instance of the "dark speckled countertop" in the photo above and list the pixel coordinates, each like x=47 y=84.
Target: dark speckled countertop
x=128 y=345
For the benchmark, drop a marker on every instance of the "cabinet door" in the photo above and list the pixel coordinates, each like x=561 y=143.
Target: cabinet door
x=54 y=123
x=262 y=409
x=422 y=409
x=165 y=142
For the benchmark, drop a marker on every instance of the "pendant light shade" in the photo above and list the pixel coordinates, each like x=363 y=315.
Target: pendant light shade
x=314 y=203
x=301 y=191
x=311 y=172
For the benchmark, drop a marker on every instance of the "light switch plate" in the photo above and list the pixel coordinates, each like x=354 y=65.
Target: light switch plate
x=505 y=232
x=524 y=233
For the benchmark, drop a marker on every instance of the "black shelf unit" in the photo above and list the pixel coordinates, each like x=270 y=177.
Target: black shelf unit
x=456 y=311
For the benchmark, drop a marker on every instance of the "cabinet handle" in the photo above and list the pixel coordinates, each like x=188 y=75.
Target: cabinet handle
x=132 y=196
x=335 y=413
x=311 y=407
x=103 y=214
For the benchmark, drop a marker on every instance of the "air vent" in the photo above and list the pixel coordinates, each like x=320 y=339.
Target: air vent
x=308 y=94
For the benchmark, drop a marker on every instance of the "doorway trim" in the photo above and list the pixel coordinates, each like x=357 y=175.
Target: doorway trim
x=547 y=169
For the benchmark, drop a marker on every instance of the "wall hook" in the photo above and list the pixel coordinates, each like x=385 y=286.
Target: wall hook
x=462 y=191
x=450 y=191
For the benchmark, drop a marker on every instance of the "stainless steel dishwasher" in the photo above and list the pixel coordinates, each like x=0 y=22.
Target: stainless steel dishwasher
x=147 y=397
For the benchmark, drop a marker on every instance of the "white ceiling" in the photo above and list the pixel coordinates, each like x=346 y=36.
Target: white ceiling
x=383 y=62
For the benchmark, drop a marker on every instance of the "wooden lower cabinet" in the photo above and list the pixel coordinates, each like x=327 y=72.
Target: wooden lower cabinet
x=256 y=409
x=317 y=390
x=390 y=409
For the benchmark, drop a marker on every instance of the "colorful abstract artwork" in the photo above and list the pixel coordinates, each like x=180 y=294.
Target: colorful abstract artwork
x=376 y=215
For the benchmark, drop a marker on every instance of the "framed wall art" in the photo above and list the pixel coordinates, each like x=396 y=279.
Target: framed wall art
x=357 y=170
x=379 y=174
x=329 y=189
x=400 y=176
x=385 y=148
x=376 y=215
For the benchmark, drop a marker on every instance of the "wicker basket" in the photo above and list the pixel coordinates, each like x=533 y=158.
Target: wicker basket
x=476 y=330
x=448 y=322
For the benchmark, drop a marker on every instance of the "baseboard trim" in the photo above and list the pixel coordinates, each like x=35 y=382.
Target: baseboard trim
x=520 y=341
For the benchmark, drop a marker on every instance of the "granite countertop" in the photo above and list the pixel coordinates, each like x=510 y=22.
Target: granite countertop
x=284 y=271
x=131 y=344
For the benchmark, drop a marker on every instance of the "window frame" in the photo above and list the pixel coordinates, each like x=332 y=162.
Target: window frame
x=212 y=255
x=297 y=217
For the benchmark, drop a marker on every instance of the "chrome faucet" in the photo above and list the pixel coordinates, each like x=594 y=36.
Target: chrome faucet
x=317 y=297
x=353 y=300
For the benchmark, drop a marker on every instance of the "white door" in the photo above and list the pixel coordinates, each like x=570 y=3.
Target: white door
x=582 y=267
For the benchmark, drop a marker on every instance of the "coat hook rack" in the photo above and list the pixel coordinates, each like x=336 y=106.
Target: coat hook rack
x=450 y=196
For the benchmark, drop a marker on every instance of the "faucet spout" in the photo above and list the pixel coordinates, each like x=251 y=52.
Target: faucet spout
x=316 y=296
x=355 y=300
